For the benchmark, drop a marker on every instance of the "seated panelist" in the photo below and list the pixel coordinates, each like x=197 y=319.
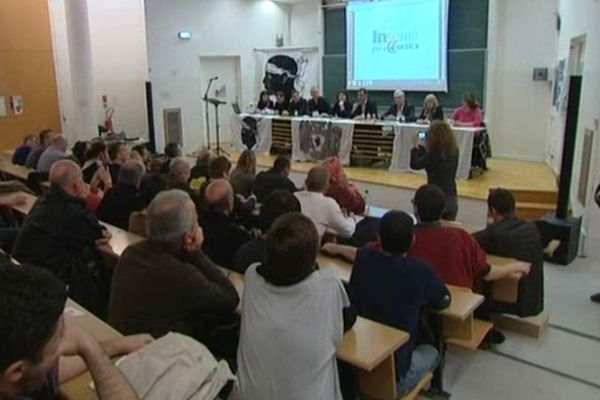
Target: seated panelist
x=318 y=105
x=401 y=110
x=469 y=114
x=343 y=108
x=364 y=108
x=264 y=102
x=432 y=111
x=281 y=103
x=298 y=106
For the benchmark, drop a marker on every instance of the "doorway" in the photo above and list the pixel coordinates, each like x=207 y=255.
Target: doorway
x=226 y=88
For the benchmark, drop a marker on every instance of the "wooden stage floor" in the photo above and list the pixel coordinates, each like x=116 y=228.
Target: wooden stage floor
x=509 y=174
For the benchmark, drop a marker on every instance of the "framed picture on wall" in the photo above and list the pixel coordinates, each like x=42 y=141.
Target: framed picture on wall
x=586 y=161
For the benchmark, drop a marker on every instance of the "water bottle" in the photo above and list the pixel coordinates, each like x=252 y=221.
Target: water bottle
x=366 y=198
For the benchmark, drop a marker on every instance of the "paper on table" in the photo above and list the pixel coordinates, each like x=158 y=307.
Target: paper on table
x=73 y=312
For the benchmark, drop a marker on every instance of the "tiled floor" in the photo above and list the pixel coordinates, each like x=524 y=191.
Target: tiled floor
x=561 y=365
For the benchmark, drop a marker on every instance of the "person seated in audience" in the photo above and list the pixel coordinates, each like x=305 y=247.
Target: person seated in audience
x=96 y=158
x=298 y=106
x=392 y=289
x=179 y=174
x=224 y=236
x=509 y=236
x=432 y=111
x=165 y=283
x=56 y=151
x=200 y=170
x=342 y=108
x=453 y=253
x=79 y=151
x=317 y=104
x=469 y=114
x=243 y=175
x=20 y=155
x=281 y=103
x=264 y=102
x=172 y=151
x=273 y=179
x=401 y=110
x=39 y=342
x=60 y=234
x=293 y=319
x=323 y=211
x=364 y=108
x=150 y=185
x=118 y=153
x=140 y=153
x=124 y=198
x=439 y=158
x=35 y=154
x=276 y=204
x=341 y=189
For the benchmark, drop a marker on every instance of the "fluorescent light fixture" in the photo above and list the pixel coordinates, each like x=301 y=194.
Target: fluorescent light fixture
x=184 y=35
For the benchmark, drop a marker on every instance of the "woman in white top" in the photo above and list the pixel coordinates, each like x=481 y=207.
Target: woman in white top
x=292 y=320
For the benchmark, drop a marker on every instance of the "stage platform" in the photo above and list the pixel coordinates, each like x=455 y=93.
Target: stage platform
x=509 y=174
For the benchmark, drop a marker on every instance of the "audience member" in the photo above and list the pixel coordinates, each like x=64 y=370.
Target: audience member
x=20 y=155
x=79 y=150
x=172 y=150
x=390 y=288
x=56 y=151
x=342 y=108
x=323 y=211
x=292 y=319
x=59 y=234
x=298 y=105
x=39 y=342
x=509 y=236
x=200 y=170
x=150 y=185
x=317 y=104
x=273 y=179
x=401 y=109
x=35 y=154
x=439 y=157
x=341 y=189
x=364 y=108
x=469 y=114
x=432 y=111
x=96 y=158
x=118 y=153
x=224 y=236
x=452 y=252
x=165 y=283
x=243 y=175
x=179 y=175
x=140 y=152
x=276 y=204
x=124 y=198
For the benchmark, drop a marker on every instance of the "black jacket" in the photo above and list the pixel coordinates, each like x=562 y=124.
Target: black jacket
x=223 y=237
x=408 y=112
x=281 y=107
x=269 y=181
x=118 y=204
x=440 y=171
x=370 y=109
x=301 y=107
x=321 y=106
x=515 y=238
x=436 y=115
x=338 y=112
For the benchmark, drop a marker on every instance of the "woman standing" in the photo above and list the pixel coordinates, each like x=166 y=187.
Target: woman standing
x=432 y=111
x=439 y=157
x=243 y=175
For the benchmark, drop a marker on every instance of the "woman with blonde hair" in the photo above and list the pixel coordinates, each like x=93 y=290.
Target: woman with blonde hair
x=439 y=157
x=243 y=175
x=432 y=111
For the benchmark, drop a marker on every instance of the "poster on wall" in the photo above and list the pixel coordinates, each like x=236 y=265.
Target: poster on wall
x=559 y=92
x=287 y=70
x=16 y=103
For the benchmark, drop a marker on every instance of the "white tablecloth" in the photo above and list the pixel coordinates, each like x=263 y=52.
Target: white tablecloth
x=315 y=139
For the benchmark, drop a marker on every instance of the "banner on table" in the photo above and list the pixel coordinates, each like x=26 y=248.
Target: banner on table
x=251 y=132
x=287 y=70
x=317 y=139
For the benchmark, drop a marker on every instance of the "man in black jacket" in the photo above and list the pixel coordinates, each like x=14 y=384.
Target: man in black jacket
x=317 y=103
x=509 y=236
x=298 y=106
x=401 y=109
x=60 y=234
x=274 y=179
x=365 y=108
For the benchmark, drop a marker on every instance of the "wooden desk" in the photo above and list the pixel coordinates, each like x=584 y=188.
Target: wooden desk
x=16 y=171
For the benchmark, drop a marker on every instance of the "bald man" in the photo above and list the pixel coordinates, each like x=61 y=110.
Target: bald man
x=56 y=151
x=224 y=236
x=60 y=234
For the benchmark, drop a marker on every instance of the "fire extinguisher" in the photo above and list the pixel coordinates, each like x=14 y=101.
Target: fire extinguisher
x=108 y=113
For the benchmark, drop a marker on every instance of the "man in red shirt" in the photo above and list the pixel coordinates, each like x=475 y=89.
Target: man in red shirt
x=452 y=252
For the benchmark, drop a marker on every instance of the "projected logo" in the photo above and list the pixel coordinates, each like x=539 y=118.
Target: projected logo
x=394 y=42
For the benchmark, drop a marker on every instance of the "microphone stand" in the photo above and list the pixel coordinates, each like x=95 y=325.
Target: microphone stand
x=205 y=99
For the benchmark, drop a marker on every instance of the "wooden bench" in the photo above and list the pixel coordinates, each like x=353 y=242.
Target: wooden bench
x=534 y=326
x=426 y=380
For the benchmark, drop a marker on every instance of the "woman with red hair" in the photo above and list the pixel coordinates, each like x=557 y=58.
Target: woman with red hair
x=341 y=190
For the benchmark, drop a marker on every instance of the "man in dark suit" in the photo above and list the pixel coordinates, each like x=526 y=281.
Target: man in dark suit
x=509 y=236
x=365 y=108
x=273 y=179
x=317 y=103
x=281 y=104
x=401 y=109
x=298 y=105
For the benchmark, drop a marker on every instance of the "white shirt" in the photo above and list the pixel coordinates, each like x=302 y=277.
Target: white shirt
x=289 y=338
x=325 y=213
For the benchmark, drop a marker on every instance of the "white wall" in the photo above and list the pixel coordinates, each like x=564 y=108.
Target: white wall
x=518 y=108
x=218 y=27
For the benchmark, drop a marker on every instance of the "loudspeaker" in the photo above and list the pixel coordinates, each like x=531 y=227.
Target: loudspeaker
x=150 y=116
x=567 y=231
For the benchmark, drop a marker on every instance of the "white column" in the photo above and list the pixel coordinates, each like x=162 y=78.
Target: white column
x=83 y=121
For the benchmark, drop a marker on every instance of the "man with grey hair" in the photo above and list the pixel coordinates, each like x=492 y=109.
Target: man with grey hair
x=56 y=151
x=323 y=211
x=401 y=110
x=179 y=174
x=60 y=234
x=317 y=105
x=124 y=198
x=165 y=283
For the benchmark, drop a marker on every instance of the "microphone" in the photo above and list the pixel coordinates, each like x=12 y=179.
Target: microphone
x=214 y=78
